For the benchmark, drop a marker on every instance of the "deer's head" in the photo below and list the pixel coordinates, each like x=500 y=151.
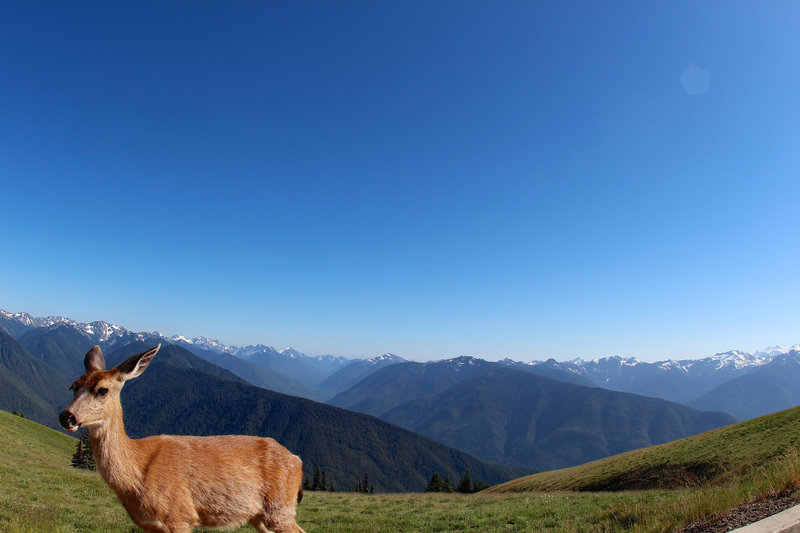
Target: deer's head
x=97 y=391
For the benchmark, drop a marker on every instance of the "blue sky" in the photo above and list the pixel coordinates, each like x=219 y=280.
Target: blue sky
x=512 y=179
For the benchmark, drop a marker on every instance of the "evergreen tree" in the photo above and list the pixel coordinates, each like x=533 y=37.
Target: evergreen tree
x=324 y=483
x=78 y=458
x=479 y=486
x=465 y=485
x=365 y=488
x=317 y=479
x=82 y=458
x=448 y=485
x=306 y=483
x=435 y=484
x=87 y=446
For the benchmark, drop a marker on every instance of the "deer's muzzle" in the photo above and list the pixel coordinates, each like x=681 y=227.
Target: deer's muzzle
x=68 y=421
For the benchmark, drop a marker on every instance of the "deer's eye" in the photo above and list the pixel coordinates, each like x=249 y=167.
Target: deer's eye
x=102 y=391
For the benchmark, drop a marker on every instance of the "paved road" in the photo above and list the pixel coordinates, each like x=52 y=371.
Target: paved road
x=787 y=521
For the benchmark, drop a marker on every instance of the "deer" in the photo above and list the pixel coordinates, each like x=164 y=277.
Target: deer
x=170 y=483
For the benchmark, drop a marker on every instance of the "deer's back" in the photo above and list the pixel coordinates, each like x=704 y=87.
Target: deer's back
x=223 y=477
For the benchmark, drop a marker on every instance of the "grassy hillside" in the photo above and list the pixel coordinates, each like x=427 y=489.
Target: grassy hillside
x=41 y=493
x=740 y=451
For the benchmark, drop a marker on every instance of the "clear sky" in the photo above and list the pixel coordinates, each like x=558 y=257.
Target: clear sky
x=497 y=179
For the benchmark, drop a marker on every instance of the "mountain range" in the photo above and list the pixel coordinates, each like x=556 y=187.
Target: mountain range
x=521 y=418
x=537 y=415
x=739 y=383
x=766 y=389
x=323 y=377
x=182 y=393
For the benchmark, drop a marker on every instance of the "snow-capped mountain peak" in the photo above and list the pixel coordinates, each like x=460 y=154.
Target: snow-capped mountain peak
x=205 y=343
x=290 y=352
x=23 y=318
x=462 y=361
x=385 y=358
x=774 y=351
x=737 y=359
x=616 y=361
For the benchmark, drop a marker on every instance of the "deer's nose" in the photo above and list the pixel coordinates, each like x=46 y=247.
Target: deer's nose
x=67 y=420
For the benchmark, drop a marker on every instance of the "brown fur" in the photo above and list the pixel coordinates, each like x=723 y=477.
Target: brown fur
x=175 y=483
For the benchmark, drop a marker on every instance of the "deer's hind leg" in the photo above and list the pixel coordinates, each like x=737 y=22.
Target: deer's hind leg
x=158 y=527
x=278 y=521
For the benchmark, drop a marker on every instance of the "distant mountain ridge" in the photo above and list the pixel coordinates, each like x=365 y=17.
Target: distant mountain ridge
x=102 y=332
x=325 y=377
x=351 y=374
x=600 y=369
x=392 y=386
x=288 y=370
x=680 y=381
x=767 y=389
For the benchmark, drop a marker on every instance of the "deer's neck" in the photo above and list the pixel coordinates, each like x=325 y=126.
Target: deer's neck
x=115 y=455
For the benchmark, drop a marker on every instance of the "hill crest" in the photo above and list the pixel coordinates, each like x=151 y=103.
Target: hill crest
x=712 y=458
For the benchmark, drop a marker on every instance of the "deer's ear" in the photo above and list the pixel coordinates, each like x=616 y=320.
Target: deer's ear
x=134 y=366
x=94 y=360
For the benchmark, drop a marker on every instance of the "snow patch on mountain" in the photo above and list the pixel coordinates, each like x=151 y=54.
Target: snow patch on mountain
x=205 y=343
x=772 y=352
x=385 y=358
x=462 y=361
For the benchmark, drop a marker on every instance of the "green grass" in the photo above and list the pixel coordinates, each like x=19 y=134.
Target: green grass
x=713 y=458
x=358 y=513
x=40 y=492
